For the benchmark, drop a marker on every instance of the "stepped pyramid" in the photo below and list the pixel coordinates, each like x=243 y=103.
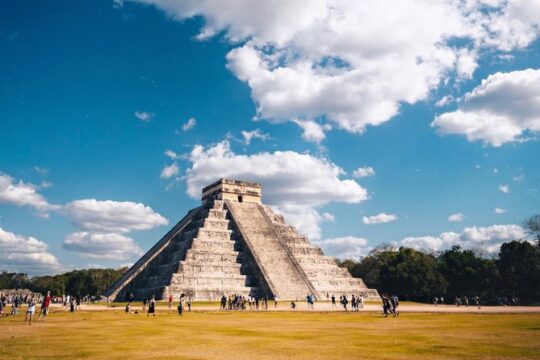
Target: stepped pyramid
x=233 y=244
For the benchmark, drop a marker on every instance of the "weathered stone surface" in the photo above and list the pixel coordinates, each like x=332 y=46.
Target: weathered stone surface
x=235 y=245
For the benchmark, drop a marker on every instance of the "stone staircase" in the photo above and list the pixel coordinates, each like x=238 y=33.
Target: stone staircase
x=282 y=273
x=212 y=266
x=323 y=273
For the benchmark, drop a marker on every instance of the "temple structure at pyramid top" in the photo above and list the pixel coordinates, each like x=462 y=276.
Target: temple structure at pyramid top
x=234 y=244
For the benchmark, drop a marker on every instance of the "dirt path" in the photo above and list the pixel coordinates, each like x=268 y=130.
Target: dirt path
x=324 y=306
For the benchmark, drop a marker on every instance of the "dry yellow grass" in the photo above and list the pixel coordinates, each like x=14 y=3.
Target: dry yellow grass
x=271 y=335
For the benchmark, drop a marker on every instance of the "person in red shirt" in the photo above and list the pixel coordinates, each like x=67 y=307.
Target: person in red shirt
x=170 y=301
x=45 y=306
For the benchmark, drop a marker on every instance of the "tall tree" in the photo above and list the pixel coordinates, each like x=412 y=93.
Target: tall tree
x=519 y=266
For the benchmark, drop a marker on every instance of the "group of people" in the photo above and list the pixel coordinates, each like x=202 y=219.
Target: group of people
x=459 y=301
x=357 y=302
x=31 y=300
x=241 y=302
x=149 y=305
x=390 y=305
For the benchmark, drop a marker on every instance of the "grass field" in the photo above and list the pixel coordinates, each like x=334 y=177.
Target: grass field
x=271 y=335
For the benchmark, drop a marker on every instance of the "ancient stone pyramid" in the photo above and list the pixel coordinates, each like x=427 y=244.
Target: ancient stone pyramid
x=233 y=244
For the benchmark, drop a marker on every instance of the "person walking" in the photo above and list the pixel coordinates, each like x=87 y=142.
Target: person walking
x=170 y=302
x=30 y=311
x=152 y=306
x=333 y=301
x=189 y=304
x=45 y=306
x=181 y=305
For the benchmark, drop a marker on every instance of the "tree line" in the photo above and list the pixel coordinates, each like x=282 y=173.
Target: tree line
x=421 y=276
x=79 y=283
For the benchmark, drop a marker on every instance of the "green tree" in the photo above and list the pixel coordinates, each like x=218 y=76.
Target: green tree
x=467 y=274
x=413 y=275
x=519 y=266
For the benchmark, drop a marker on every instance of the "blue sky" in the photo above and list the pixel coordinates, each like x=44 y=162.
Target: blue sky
x=92 y=95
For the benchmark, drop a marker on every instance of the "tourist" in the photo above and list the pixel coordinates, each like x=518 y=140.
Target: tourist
x=309 y=299
x=1 y=307
x=170 y=301
x=30 y=311
x=353 y=303
x=189 y=304
x=477 y=301
x=275 y=301
x=394 y=302
x=181 y=305
x=15 y=306
x=128 y=308
x=78 y=302
x=256 y=303
x=385 y=305
x=45 y=306
x=333 y=301
x=360 y=301
x=152 y=306
x=293 y=305
x=344 y=302
x=72 y=305
x=223 y=302
x=145 y=301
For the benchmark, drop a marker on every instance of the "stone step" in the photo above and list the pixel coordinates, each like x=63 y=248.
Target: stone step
x=208 y=275
x=333 y=271
x=318 y=260
x=214 y=234
x=226 y=268
x=306 y=250
x=194 y=255
x=210 y=245
x=209 y=282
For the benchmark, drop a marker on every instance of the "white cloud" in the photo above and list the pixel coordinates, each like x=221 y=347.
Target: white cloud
x=456 y=217
x=352 y=63
x=23 y=194
x=190 y=124
x=504 y=189
x=445 y=100
x=108 y=246
x=381 y=218
x=41 y=170
x=26 y=254
x=295 y=184
x=365 y=171
x=329 y=217
x=46 y=184
x=170 y=171
x=144 y=116
x=172 y=155
x=500 y=110
x=499 y=211
x=112 y=216
x=489 y=238
x=311 y=130
x=348 y=247
x=254 y=134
